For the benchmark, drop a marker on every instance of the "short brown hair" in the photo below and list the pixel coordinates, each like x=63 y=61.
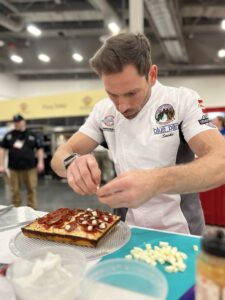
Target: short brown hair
x=121 y=50
x=221 y=120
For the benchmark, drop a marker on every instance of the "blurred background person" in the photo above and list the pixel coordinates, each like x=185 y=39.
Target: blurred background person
x=219 y=122
x=25 y=158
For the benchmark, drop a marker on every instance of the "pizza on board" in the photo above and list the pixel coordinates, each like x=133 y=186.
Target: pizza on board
x=72 y=226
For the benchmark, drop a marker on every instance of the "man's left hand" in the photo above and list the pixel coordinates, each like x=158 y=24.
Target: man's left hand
x=129 y=189
x=40 y=167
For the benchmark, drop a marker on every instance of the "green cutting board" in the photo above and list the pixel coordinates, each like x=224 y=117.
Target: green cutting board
x=179 y=282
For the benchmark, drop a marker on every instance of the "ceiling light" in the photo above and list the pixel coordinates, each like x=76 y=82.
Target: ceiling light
x=77 y=57
x=223 y=24
x=221 y=53
x=114 y=28
x=43 y=57
x=16 y=58
x=34 y=30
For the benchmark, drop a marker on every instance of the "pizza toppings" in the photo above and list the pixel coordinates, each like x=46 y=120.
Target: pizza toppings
x=102 y=225
x=73 y=226
x=68 y=219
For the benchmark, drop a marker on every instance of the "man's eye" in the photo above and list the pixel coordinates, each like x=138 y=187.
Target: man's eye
x=112 y=96
x=131 y=94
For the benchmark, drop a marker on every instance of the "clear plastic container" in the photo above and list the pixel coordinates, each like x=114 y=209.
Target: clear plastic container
x=122 y=279
x=51 y=273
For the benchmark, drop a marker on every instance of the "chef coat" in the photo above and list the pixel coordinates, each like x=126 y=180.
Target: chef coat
x=157 y=137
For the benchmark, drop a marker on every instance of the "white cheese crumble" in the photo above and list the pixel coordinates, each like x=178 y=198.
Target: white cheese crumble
x=195 y=247
x=102 y=225
x=90 y=228
x=94 y=213
x=94 y=222
x=163 y=254
x=67 y=227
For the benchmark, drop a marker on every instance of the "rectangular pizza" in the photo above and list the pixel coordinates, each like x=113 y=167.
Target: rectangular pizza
x=73 y=226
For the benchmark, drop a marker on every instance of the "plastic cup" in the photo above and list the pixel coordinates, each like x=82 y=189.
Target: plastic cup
x=122 y=279
x=60 y=285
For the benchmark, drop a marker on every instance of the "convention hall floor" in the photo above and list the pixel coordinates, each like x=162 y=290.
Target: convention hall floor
x=53 y=194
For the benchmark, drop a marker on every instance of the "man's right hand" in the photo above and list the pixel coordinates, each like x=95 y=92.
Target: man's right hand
x=2 y=169
x=84 y=175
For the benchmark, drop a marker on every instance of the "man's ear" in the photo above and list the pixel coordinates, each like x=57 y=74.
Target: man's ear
x=153 y=74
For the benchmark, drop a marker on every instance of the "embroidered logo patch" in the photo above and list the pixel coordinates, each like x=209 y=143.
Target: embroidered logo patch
x=165 y=114
x=109 y=120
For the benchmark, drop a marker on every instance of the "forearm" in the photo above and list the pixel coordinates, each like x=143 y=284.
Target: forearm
x=40 y=156
x=202 y=174
x=57 y=161
x=78 y=143
x=2 y=157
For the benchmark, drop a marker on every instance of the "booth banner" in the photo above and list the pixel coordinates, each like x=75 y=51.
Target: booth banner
x=53 y=106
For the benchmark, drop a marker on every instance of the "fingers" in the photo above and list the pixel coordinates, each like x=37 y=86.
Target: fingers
x=114 y=186
x=116 y=200
x=94 y=170
x=84 y=175
x=115 y=194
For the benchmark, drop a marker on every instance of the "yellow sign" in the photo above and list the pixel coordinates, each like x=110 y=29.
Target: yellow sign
x=54 y=106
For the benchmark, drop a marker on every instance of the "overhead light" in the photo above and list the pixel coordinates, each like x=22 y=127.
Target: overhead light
x=77 y=57
x=223 y=24
x=221 y=53
x=43 y=57
x=114 y=28
x=16 y=58
x=34 y=30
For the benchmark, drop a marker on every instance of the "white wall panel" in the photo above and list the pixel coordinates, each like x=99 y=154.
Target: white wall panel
x=210 y=88
x=49 y=87
x=8 y=87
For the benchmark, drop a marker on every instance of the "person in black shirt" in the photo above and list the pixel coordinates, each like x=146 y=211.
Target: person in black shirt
x=23 y=147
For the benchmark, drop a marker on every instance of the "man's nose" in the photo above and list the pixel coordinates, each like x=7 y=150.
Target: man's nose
x=123 y=106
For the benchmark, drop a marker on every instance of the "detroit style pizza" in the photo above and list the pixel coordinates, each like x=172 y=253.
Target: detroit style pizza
x=72 y=226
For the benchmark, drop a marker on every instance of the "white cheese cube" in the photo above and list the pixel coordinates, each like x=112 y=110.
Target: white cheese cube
x=195 y=247
x=102 y=226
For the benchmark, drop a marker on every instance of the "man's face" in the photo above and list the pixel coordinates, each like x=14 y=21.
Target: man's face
x=128 y=90
x=20 y=125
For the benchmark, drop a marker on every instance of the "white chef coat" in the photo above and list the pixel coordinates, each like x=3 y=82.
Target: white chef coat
x=151 y=140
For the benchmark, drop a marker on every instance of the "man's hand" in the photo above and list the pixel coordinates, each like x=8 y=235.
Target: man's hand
x=84 y=175
x=129 y=189
x=2 y=169
x=40 y=167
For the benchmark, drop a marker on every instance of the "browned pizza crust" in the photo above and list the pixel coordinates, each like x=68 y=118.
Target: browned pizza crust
x=72 y=226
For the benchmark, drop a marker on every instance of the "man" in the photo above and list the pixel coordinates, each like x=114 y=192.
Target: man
x=219 y=122
x=22 y=146
x=152 y=132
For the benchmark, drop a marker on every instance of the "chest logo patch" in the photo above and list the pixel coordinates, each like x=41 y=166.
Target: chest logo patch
x=165 y=114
